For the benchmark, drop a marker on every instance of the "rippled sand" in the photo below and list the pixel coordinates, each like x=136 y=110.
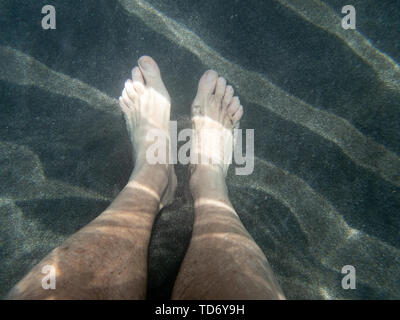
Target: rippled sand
x=324 y=103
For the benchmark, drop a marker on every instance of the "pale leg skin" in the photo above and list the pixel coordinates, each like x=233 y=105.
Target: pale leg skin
x=223 y=261
x=107 y=259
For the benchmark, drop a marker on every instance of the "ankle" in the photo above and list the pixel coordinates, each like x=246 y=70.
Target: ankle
x=153 y=176
x=208 y=181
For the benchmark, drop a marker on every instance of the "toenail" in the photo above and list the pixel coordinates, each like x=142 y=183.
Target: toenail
x=145 y=64
x=210 y=74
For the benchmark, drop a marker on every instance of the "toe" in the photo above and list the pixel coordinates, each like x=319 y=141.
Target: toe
x=138 y=87
x=150 y=70
x=130 y=90
x=137 y=75
x=238 y=115
x=227 y=97
x=230 y=111
x=128 y=114
x=126 y=99
x=123 y=105
x=220 y=89
x=152 y=76
x=233 y=107
x=206 y=88
x=207 y=83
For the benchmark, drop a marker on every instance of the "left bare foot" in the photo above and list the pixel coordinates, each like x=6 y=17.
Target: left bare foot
x=146 y=105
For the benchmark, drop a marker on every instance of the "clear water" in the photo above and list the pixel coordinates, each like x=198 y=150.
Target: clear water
x=324 y=103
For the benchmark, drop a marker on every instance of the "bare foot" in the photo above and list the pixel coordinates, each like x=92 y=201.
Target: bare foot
x=146 y=105
x=215 y=113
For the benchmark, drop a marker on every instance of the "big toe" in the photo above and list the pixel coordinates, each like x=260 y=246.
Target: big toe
x=152 y=76
x=207 y=83
x=205 y=89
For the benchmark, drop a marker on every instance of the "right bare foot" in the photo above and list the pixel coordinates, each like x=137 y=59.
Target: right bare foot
x=146 y=105
x=215 y=113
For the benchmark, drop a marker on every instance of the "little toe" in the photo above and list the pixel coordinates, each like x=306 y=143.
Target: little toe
x=123 y=105
x=233 y=107
x=238 y=115
x=127 y=99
